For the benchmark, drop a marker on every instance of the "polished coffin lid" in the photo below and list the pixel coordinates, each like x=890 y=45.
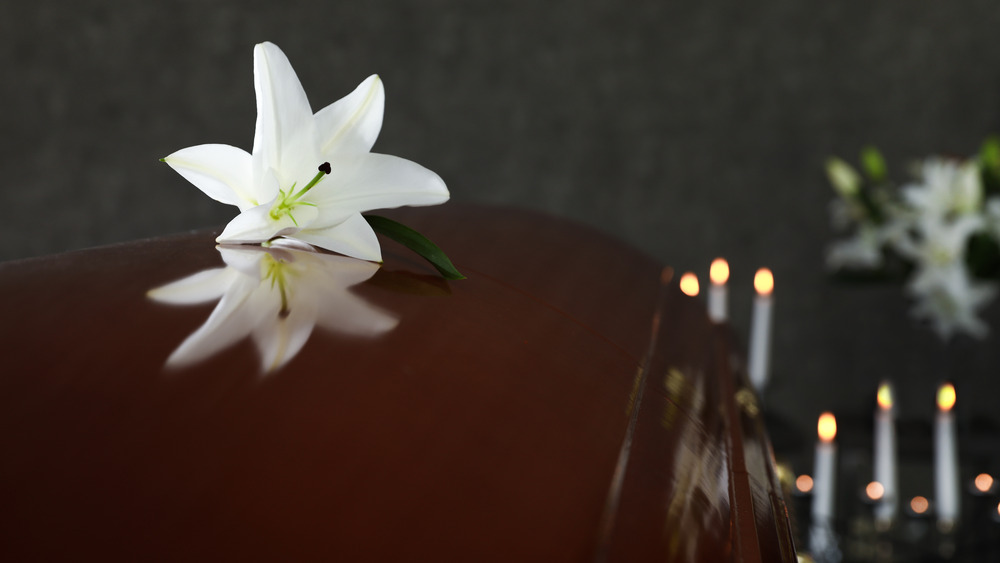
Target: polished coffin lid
x=564 y=403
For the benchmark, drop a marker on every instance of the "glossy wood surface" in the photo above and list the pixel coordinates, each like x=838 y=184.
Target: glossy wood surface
x=564 y=403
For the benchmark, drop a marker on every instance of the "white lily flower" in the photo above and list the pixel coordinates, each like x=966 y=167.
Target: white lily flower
x=934 y=242
x=945 y=188
x=864 y=249
x=950 y=299
x=276 y=295
x=309 y=177
x=944 y=289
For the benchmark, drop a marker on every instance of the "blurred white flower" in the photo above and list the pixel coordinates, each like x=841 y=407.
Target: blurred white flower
x=942 y=285
x=309 y=176
x=945 y=188
x=930 y=225
x=950 y=299
x=934 y=242
x=276 y=295
x=863 y=250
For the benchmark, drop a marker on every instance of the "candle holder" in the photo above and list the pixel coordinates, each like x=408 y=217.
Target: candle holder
x=823 y=544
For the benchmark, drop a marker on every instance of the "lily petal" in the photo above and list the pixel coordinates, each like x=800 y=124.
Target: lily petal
x=221 y=171
x=231 y=320
x=255 y=225
x=202 y=287
x=284 y=139
x=353 y=237
x=345 y=270
x=377 y=181
x=243 y=258
x=280 y=341
x=290 y=244
x=351 y=124
x=353 y=316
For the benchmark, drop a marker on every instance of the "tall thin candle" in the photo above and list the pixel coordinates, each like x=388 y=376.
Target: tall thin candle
x=946 y=459
x=760 y=331
x=825 y=471
x=885 y=457
x=718 y=293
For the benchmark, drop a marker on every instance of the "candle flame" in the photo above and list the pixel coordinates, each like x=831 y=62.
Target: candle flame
x=719 y=272
x=875 y=490
x=689 y=284
x=827 y=427
x=885 y=396
x=804 y=483
x=763 y=281
x=984 y=482
x=946 y=397
x=919 y=505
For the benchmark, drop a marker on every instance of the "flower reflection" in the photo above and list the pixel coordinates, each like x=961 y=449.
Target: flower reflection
x=276 y=295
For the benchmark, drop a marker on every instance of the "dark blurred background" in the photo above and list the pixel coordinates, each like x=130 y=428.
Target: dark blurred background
x=689 y=129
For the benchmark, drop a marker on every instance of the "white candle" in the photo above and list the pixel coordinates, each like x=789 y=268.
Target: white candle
x=825 y=471
x=885 y=457
x=946 y=458
x=718 y=293
x=760 y=330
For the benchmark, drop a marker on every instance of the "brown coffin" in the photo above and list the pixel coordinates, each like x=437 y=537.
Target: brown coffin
x=564 y=403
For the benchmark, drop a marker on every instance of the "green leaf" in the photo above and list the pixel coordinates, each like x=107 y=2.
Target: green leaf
x=416 y=242
x=874 y=165
x=872 y=209
x=989 y=166
x=989 y=154
x=982 y=256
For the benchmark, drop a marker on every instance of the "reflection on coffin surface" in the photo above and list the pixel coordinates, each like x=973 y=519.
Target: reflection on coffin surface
x=564 y=403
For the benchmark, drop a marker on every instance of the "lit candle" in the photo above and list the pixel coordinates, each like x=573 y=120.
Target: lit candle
x=885 y=456
x=760 y=331
x=718 y=294
x=825 y=471
x=689 y=284
x=946 y=458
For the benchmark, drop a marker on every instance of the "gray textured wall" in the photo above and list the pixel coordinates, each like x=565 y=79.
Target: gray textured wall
x=690 y=129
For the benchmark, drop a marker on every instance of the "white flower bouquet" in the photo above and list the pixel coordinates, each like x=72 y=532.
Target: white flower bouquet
x=940 y=232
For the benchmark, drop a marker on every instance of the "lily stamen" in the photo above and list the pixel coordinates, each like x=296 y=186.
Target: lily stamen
x=290 y=200
x=324 y=169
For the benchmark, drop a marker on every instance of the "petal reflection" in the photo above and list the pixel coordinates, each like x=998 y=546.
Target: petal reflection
x=275 y=296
